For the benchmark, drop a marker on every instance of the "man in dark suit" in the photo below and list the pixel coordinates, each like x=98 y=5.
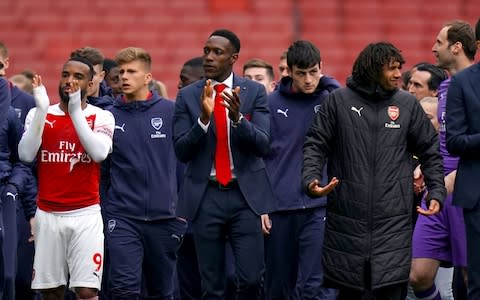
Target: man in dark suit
x=221 y=132
x=463 y=140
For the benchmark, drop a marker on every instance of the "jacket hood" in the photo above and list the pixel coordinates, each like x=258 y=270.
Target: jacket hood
x=137 y=105
x=370 y=92
x=102 y=102
x=326 y=83
x=14 y=92
x=105 y=90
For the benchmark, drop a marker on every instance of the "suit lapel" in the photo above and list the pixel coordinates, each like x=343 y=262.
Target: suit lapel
x=240 y=82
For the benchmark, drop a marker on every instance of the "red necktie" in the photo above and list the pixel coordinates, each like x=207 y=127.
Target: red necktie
x=222 y=157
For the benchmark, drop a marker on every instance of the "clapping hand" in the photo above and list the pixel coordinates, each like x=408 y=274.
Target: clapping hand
x=40 y=93
x=231 y=101
x=207 y=102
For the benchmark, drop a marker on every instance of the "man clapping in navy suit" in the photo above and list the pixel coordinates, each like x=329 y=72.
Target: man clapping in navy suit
x=221 y=133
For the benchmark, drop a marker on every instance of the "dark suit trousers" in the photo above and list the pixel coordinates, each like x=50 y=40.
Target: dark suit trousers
x=188 y=274
x=9 y=247
x=225 y=213
x=392 y=292
x=187 y=269
x=294 y=256
x=472 y=225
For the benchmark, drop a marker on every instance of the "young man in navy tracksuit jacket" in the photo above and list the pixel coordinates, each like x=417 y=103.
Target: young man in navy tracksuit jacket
x=22 y=102
x=142 y=229
x=295 y=226
x=16 y=183
x=17 y=250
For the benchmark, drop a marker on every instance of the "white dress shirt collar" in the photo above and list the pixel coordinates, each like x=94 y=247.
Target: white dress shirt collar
x=228 y=82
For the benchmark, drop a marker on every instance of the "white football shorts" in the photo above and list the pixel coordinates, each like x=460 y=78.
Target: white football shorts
x=68 y=243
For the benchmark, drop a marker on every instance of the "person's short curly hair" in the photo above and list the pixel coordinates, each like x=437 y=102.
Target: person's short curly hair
x=368 y=66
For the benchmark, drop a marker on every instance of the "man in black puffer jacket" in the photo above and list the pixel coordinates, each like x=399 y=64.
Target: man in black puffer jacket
x=369 y=132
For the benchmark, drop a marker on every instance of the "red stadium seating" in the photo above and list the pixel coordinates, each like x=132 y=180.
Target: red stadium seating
x=41 y=34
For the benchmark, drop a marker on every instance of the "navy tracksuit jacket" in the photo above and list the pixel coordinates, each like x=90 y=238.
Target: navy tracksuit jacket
x=294 y=269
x=142 y=198
x=16 y=182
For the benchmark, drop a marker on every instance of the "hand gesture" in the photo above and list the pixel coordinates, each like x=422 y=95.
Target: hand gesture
x=450 y=181
x=207 y=102
x=37 y=81
x=418 y=181
x=316 y=190
x=40 y=93
x=266 y=224
x=433 y=208
x=75 y=102
x=232 y=102
x=32 y=229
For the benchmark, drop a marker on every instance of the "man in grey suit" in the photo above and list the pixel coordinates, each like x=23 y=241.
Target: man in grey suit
x=221 y=133
x=463 y=140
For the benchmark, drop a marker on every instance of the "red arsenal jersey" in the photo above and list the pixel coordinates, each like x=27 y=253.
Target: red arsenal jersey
x=68 y=178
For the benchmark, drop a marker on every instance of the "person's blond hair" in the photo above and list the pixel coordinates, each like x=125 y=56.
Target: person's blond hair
x=130 y=54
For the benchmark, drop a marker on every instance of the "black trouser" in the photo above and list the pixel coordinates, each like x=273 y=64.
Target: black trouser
x=293 y=260
x=472 y=226
x=392 y=292
x=9 y=247
x=225 y=212
x=187 y=268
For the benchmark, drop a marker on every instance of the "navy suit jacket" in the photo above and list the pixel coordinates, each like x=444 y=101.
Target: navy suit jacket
x=463 y=134
x=249 y=143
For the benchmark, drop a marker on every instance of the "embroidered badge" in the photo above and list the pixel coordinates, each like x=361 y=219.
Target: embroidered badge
x=393 y=112
x=157 y=123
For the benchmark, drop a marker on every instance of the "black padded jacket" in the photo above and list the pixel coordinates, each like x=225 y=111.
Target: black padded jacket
x=369 y=136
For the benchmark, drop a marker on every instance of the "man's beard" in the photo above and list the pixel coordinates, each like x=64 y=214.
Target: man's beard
x=65 y=97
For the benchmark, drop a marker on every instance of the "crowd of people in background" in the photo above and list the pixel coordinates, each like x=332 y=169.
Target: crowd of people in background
x=246 y=186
